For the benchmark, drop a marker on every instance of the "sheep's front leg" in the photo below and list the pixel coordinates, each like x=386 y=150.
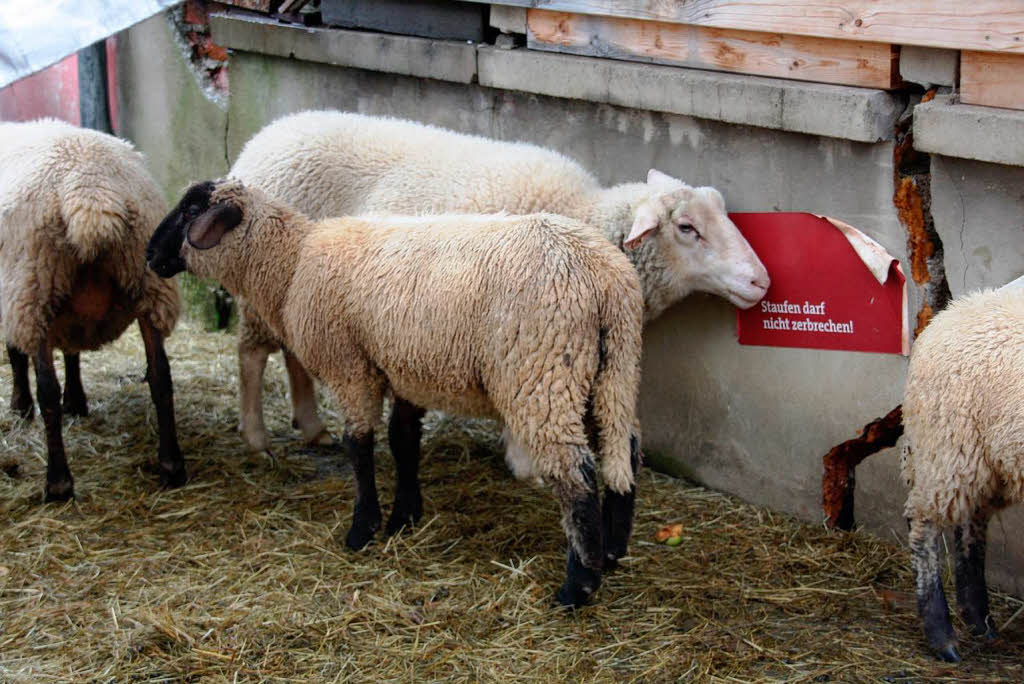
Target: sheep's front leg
x=303 y=392
x=59 y=484
x=252 y=361
x=161 y=389
x=404 y=432
x=21 y=394
x=75 y=403
x=576 y=490
x=617 y=513
x=931 y=600
x=366 y=514
x=971 y=590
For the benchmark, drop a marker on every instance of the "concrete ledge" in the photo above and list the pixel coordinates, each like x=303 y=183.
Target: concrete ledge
x=987 y=134
x=858 y=114
x=422 y=57
x=508 y=19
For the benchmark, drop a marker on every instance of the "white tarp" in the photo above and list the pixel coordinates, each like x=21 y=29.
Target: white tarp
x=37 y=33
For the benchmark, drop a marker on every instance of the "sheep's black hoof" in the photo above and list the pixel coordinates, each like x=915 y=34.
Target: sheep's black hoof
x=173 y=475
x=611 y=562
x=948 y=653
x=571 y=595
x=406 y=513
x=75 y=407
x=23 y=408
x=580 y=582
x=361 y=533
x=63 y=490
x=358 y=538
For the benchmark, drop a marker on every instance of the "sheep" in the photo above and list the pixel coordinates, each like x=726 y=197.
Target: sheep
x=535 y=320
x=328 y=163
x=76 y=209
x=963 y=415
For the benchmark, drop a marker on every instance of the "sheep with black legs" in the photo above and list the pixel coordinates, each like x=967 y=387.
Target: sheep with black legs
x=531 y=319
x=328 y=163
x=963 y=416
x=76 y=209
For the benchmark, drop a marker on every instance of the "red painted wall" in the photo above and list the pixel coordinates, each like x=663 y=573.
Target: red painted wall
x=54 y=92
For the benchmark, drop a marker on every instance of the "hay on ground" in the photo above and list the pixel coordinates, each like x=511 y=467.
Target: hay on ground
x=242 y=574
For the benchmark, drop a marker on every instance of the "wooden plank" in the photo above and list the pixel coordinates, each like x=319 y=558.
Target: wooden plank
x=871 y=65
x=992 y=79
x=987 y=25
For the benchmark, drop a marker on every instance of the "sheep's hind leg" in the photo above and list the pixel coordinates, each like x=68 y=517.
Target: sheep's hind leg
x=617 y=513
x=404 y=432
x=931 y=600
x=971 y=590
x=303 y=393
x=161 y=390
x=59 y=484
x=581 y=517
x=75 y=403
x=366 y=514
x=21 y=394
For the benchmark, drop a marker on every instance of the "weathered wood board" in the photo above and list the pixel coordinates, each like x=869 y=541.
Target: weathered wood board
x=847 y=62
x=992 y=79
x=977 y=25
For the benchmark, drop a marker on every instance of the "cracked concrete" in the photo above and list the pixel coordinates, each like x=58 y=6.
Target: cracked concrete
x=979 y=209
x=164 y=110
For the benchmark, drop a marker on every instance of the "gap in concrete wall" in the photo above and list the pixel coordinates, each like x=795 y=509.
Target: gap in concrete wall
x=912 y=198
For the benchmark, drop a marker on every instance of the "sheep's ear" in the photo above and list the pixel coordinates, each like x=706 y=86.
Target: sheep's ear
x=207 y=230
x=656 y=177
x=646 y=222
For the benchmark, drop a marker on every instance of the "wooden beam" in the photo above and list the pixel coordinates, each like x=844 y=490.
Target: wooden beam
x=992 y=79
x=987 y=25
x=870 y=65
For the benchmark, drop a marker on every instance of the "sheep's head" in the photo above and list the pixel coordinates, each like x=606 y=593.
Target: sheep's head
x=202 y=218
x=697 y=245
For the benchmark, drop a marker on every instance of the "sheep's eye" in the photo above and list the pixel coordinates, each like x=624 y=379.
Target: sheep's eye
x=688 y=229
x=191 y=212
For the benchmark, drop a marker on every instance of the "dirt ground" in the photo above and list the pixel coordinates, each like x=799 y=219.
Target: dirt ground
x=242 y=575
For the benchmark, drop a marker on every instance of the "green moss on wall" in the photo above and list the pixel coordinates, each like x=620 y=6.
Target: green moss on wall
x=208 y=303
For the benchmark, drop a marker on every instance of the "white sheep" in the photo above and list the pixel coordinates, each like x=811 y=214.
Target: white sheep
x=76 y=209
x=963 y=416
x=531 y=319
x=327 y=163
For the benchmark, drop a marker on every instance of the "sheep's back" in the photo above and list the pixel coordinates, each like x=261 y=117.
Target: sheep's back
x=335 y=164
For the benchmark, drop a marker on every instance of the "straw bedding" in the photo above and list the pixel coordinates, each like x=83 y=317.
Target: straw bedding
x=242 y=575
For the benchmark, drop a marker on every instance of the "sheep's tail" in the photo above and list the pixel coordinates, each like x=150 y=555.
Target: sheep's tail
x=614 y=393
x=95 y=217
x=100 y=193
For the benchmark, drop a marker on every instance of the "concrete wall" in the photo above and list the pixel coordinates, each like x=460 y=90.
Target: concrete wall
x=979 y=214
x=752 y=421
x=164 y=110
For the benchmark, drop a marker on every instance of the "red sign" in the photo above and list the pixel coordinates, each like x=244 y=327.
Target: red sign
x=832 y=287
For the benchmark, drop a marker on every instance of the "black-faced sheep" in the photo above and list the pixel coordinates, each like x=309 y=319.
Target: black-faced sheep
x=963 y=416
x=76 y=209
x=533 y=319
x=340 y=164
